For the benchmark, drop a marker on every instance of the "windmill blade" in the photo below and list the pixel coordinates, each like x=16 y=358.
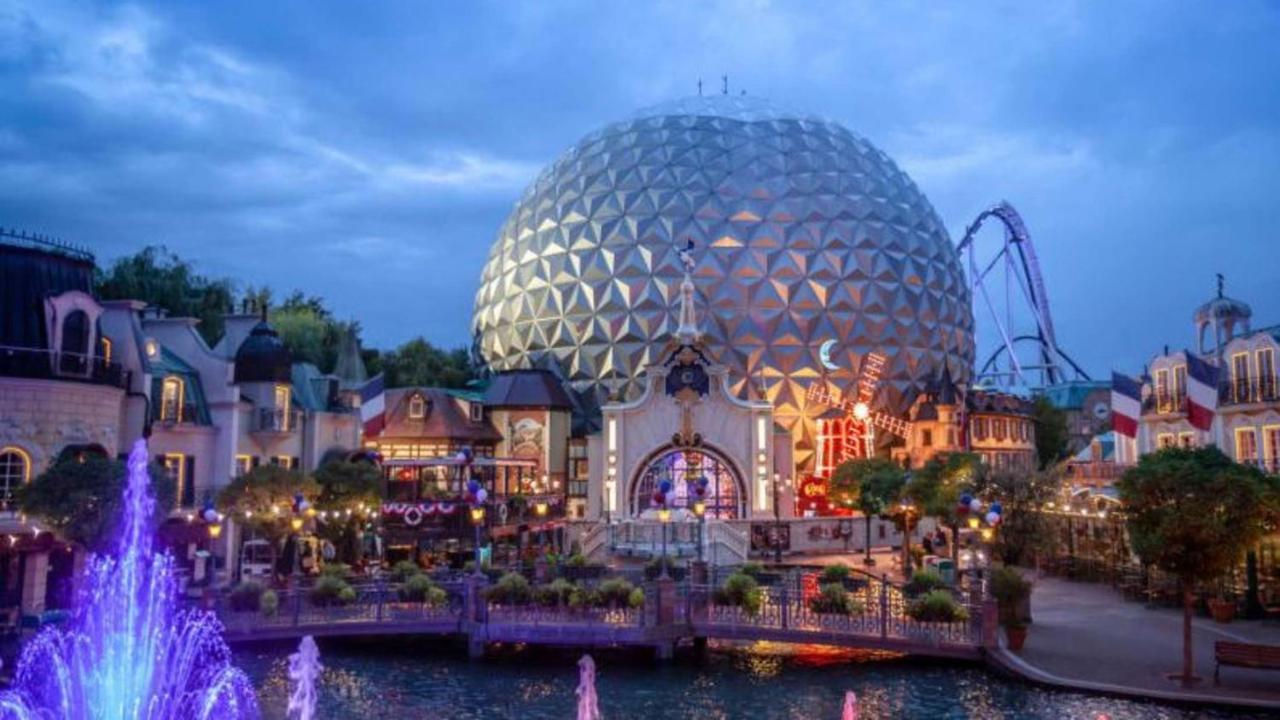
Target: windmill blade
x=892 y=424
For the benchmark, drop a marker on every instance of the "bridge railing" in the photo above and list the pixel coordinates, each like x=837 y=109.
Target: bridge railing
x=564 y=616
x=374 y=604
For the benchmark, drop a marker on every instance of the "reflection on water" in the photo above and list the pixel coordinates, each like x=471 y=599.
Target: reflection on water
x=425 y=679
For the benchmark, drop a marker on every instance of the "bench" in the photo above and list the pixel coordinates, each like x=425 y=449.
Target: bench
x=1246 y=655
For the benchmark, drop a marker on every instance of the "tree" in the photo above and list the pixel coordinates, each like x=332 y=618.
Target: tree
x=262 y=501
x=1024 y=530
x=346 y=486
x=937 y=486
x=159 y=277
x=418 y=362
x=871 y=485
x=1193 y=513
x=1052 y=436
x=82 y=499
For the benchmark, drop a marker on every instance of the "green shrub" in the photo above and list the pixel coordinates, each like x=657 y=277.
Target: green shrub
x=338 y=570
x=837 y=573
x=269 y=603
x=554 y=594
x=247 y=596
x=636 y=598
x=937 y=606
x=833 y=599
x=754 y=569
x=404 y=570
x=330 y=590
x=585 y=598
x=615 y=592
x=740 y=590
x=924 y=581
x=511 y=589
x=415 y=588
x=1008 y=586
x=576 y=560
x=653 y=569
x=436 y=597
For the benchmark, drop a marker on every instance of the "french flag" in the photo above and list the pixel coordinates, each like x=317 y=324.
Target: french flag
x=1126 y=404
x=1202 y=392
x=373 y=406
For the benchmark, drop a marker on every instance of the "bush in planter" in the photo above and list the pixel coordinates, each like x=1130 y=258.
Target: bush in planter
x=635 y=599
x=924 y=581
x=833 y=599
x=554 y=594
x=754 y=569
x=837 y=573
x=247 y=596
x=330 y=590
x=653 y=569
x=583 y=598
x=740 y=590
x=511 y=589
x=338 y=570
x=615 y=592
x=269 y=603
x=1010 y=590
x=404 y=570
x=416 y=588
x=937 y=606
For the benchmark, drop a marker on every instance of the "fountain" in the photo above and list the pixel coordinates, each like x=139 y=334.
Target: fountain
x=850 y=710
x=129 y=653
x=588 y=704
x=304 y=669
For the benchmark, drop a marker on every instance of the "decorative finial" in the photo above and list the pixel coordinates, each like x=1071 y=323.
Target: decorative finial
x=1220 y=281
x=724 y=84
x=699 y=87
x=688 y=330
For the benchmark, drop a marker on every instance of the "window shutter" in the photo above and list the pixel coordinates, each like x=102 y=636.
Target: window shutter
x=254 y=462
x=189 y=482
x=293 y=463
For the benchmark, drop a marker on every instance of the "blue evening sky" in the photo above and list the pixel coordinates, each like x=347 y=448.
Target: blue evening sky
x=368 y=152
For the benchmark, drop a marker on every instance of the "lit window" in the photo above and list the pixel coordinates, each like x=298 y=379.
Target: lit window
x=171 y=392
x=1163 y=402
x=244 y=463
x=417 y=408
x=104 y=344
x=926 y=438
x=1267 y=390
x=284 y=400
x=175 y=466
x=1186 y=440
x=1246 y=445
x=1166 y=440
x=15 y=471
x=1179 y=386
x=477 y=412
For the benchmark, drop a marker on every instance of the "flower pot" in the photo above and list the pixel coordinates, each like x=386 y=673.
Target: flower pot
x=1016 y=636
x=1222 y=610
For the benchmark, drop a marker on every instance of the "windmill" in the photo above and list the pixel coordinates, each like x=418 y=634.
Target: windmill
x=858 y=440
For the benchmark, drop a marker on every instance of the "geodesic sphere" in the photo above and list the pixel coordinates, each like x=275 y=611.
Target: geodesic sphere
x=804 y=233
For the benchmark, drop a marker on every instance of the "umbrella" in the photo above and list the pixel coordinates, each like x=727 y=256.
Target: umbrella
x=588 y=707
x=850 y=711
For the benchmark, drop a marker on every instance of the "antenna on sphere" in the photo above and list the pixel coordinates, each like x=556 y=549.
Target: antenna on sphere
x=724 y=84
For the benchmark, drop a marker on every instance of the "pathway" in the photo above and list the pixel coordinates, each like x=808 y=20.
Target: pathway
x=1085 y=634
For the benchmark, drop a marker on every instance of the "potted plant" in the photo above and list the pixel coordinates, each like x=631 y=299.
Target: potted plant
x=1222 y=610
x=1013 y=595
x=1015 y=632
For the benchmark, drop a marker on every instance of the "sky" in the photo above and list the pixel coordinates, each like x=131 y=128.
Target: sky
x=369 y=152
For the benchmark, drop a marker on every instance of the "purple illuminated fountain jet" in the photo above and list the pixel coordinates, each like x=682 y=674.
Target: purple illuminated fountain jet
x=129 y=653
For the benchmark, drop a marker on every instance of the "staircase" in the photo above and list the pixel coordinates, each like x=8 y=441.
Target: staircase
x=721 y=543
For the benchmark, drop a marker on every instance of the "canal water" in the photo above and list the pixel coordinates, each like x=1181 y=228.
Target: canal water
x=421 y=680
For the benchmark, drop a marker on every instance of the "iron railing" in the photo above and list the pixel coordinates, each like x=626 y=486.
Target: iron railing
x=50 y=365
x=1244 y=390
x=277 y=420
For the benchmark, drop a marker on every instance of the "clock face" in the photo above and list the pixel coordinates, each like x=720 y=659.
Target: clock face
x=689 y=376
x=1101 y=410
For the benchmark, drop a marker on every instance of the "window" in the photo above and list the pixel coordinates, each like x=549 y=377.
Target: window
x=997 y=429
x=417 y=408
x=1246 y=445
x=284 y=400
x=1166 y=440
x=285 y=461
x=1186 y=440
x=75 y=333
x=1179 y=386
x=1240 y=377
x=1267 y=389
x=1271 y=447
x=980 y=428
x=244 y=463
x=104 y=349
x=1163 y=403
x=15 y=471
x=180 y=468
x=171 y=392
x=477 y=412
x=951 y=436
x=926 y=438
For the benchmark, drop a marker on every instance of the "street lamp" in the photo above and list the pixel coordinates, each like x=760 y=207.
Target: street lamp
x=777 y=524
x=700 y=509
x=295 y=523
x=664 y=515
x=215 y=530
x=477 y=519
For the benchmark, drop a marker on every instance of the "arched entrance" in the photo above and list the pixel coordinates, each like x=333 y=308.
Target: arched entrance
x=725 y=497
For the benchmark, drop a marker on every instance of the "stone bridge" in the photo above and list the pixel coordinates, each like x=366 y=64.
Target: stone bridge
x=673 y=613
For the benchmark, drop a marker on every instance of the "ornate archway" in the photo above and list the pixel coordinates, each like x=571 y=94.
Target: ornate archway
x=726 y=496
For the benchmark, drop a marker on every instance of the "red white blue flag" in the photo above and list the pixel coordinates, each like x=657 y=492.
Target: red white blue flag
x=1126 y=404
x=1202 y=392
x=373 y=406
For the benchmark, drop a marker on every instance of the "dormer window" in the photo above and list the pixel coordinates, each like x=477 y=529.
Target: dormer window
x=477 y=412
x=171 y=393
x=417 y=407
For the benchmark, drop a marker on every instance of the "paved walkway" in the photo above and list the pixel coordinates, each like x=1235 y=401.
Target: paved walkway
x=1086 y=635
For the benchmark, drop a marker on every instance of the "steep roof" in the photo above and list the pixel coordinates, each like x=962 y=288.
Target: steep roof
x=527 y=388
x=444 y=418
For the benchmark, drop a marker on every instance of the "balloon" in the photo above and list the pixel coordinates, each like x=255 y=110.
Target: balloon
x=210 y=515
x=665 y=486
x=962 y=509
x=997 y=508
x=701 y=490
x=993 y=518
x=473 y=485
x=304 y=505
x=965 y=499
x=482 y=495
x=703 y=481
x=975 y=505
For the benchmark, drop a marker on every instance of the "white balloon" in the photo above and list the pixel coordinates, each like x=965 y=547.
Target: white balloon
x=210 y=515
x=481 y=494
x=993 y=518
x=975 y=505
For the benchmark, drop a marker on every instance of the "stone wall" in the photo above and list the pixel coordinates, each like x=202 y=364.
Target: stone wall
x=44 y=416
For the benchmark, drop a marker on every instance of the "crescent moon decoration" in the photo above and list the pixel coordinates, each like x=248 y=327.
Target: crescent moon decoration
x=824 y=355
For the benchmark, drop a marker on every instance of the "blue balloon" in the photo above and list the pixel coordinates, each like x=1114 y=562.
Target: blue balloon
x=665 y=486
x=996 y=508
x=473 y=485
x=966 y=498
x=703 y=481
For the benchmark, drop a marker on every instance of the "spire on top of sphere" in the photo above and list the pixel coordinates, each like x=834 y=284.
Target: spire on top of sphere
x=688 y=331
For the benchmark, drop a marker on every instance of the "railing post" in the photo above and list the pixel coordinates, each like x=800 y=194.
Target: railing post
x=297 y=607
x=786 y=607
x=380 y=588
x=884 y=606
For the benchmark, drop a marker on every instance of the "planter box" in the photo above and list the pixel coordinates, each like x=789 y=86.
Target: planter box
x=1017 y=637
x=1223 y=611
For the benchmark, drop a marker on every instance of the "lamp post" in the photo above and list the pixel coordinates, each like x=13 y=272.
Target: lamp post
x=540 y=510
x=664 y=515
x=700 y=509
x=477 y=519
x=777 y=523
